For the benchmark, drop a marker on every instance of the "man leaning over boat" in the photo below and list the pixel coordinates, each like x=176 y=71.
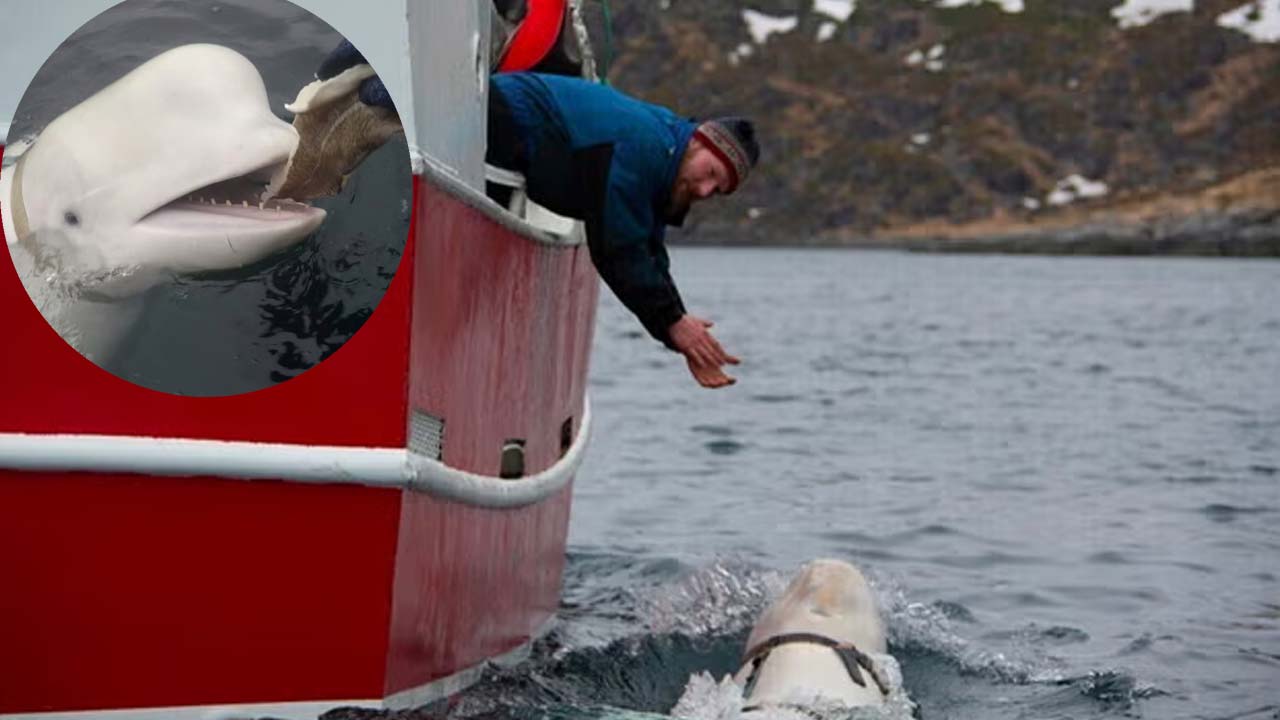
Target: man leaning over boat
x=627 y=169
x=624 y=167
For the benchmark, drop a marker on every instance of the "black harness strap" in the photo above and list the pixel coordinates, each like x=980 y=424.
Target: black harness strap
x=854 y=659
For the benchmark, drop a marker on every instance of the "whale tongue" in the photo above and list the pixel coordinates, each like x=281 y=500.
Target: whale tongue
x=336 y=132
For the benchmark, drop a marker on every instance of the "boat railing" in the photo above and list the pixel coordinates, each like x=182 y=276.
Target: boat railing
x=374 y=467
x=537 y=224
x=432 y=476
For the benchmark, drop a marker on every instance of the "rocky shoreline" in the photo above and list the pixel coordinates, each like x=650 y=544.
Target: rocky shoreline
x=1235 y=234
x=964 y=126
x=1237 y=218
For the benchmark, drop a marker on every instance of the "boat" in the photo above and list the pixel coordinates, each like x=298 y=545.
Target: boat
x=373 y=533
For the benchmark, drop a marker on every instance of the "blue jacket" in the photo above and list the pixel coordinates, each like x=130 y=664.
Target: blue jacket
x=592 y=153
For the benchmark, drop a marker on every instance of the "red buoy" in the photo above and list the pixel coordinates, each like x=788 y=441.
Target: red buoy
x=535 y=37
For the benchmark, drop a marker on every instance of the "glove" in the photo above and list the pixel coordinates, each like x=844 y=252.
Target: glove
x=346 y=56
x=340 y=120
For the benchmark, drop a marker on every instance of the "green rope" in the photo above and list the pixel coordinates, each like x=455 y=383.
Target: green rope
x=607 y=60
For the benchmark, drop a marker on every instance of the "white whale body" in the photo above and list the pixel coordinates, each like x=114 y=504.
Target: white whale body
x=163 y=171
x=817 y=652
x=828 y=600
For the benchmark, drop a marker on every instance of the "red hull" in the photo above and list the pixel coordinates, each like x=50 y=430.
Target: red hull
x=131 y=591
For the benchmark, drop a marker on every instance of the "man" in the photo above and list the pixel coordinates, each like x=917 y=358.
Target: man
x=627 y=169
x=624 y=167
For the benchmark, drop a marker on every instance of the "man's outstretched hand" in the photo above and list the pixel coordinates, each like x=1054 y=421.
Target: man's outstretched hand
x=692 y=337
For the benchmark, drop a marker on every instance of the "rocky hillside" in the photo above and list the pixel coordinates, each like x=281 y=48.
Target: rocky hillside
x=883 y=117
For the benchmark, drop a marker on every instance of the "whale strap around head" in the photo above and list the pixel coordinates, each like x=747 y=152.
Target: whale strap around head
x=18 y=209
x=850 y=655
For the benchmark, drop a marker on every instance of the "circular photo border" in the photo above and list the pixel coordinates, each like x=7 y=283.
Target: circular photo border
x=206 y=200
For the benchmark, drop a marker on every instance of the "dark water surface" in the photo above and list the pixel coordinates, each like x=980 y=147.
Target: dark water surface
x=251 y=328
x=1062 y=475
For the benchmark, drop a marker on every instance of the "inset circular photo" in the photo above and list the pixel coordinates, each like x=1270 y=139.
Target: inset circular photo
x=203 y=199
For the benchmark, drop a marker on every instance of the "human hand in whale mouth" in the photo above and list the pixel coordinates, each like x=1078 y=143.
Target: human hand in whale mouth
x=341 y=118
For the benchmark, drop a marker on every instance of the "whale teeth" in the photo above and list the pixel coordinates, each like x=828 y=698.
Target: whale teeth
x=245 y=203
x=261 y=206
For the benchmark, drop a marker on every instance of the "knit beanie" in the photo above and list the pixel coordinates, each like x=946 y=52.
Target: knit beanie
x=733 y=141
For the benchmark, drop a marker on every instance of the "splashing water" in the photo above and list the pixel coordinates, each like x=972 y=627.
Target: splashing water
x=706 y=699
x=722 y=598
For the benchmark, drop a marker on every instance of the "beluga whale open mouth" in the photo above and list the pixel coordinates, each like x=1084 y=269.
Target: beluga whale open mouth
x=170 y=168
x=241 y=210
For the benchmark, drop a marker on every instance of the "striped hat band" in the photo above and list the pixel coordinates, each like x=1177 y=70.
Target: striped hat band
x=725 y=146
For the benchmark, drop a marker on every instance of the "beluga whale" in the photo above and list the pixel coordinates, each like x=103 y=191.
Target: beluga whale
x=815 y=644
x=170 y=169
x=818 y=651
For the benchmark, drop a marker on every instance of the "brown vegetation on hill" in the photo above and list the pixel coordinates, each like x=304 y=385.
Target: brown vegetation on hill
x=859 y=144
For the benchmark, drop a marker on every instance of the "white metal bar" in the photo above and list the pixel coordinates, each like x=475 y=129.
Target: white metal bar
x=441 y=480
x=376 y=467
x=504 y=177
x=213 y=458
x=432 y=172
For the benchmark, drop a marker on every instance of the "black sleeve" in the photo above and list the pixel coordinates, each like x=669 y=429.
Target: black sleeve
x=622 y=234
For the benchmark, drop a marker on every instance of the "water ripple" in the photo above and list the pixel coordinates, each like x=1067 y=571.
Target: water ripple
x=724 y=447
x=1065 y=454
x=1221 y=512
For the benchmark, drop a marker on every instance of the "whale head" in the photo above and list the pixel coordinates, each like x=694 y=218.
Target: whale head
x=165 y=169
x=811 y=650
x=829 y=598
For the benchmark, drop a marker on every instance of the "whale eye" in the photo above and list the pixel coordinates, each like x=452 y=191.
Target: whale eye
x=71 y=218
